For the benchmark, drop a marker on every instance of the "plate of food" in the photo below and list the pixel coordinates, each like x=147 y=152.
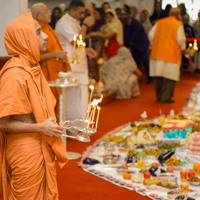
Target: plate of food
x=189 y=192
x=173 y=162
x=194 y=181
x=172 y=194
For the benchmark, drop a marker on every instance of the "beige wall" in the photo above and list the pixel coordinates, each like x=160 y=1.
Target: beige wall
x=140 y=4
x=10 y=9
x=50 y=3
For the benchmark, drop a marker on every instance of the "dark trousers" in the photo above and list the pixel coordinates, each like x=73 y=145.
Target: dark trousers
x=141 y=58
x=164 y=89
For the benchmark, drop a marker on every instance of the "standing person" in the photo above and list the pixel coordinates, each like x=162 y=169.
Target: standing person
x=196 y=27
x=165 y=58
x=68 y=27
x=189 y=31
x=134 y=12
x=54 y=60
x=167 y=9
x=126 y=9
x=118 y=12
x=157 y=14
x=56 y=15
x=30 y=136
x=144 y=19
x=106 y=6
x=182 y=10
x=136 y=39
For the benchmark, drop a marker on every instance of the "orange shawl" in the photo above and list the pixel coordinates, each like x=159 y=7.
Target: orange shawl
x=53 y=66
x=24 y=90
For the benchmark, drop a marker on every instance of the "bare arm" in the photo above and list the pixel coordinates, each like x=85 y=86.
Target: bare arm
x=55 y=54
x=88 y=22
x=102 y=35
x=47 y=127
x=83 y=32
x=90 y=7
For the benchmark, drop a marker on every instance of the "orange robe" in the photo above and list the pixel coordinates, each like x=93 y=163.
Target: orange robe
x=28 y=159
x=53 y=66
x=165 y=46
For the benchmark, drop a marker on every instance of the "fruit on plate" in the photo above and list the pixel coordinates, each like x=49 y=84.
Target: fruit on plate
x=184 y=191
x=170 y=169
x=194 y=179
x=184 y=185
x=191 y=174
x=126 y=176
x=147 y=175
x=155 y=164
x=165 y=146
x=144 y=181
x=173 y=161
x=125 y=166
x=153 y=152
x=196 y=166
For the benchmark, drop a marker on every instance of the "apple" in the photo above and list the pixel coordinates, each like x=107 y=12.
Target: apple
x=147 y=175
x=191 y=174
x=184 y=185
x=170 y=169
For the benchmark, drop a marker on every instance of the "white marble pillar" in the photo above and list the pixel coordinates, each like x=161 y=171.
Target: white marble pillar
x=10 y=9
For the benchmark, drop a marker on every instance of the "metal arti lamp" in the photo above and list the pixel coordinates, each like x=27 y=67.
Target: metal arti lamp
x=62 y=83
x=192 y=48
x=78 y=50
x=85 y=127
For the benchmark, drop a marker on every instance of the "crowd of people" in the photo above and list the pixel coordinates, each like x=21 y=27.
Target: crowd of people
x=125 y=26
x=40 y=42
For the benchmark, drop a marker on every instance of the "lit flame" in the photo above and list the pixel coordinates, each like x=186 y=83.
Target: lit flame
x=80 y=37
x=95 y=102
x=74 y=38
x=91 y=87
x=195 y=45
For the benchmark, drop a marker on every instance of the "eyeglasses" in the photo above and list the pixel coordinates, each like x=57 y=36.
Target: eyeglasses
x=46 y=11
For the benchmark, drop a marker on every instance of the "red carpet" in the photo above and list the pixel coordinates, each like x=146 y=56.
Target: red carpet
x=75 y=184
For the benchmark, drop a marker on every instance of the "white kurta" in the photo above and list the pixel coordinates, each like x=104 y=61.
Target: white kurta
x=167 y=70
x=77 y=97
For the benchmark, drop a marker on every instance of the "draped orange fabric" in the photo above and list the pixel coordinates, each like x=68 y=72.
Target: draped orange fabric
x=165 y=45
x=1 y=159
x=53 y=66
x=28 y=166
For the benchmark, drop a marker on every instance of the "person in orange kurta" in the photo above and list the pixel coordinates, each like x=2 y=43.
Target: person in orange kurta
x=30 y=137
x=54 y=60
x=168 y=42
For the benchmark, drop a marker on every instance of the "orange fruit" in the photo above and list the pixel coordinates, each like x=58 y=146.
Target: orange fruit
x=196 y=166
x=144 y=181
x=126 y=176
